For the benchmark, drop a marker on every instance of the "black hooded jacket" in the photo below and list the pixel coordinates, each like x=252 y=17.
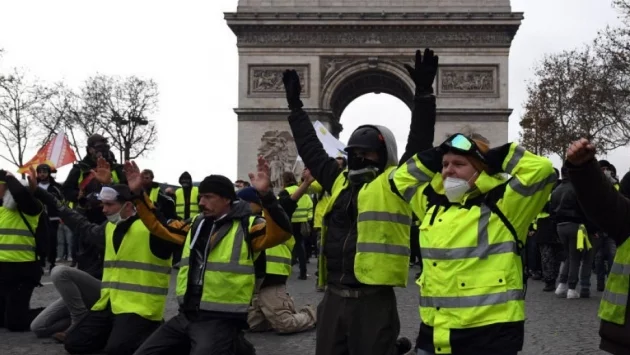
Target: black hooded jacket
x=341 y=238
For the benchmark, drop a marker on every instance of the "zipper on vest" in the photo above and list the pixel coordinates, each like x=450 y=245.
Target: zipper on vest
x=343 y=248
x=206 y=251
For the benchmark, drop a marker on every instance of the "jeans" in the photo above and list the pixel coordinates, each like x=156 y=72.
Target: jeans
x=604 y=259
x=64 y=242
x=78 y=290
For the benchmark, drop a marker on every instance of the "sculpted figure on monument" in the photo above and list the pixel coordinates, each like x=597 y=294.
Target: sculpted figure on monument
x=278 y=147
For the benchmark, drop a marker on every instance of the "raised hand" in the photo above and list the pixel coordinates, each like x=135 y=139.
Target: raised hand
x=32 y=179
x=260 y=180
x=580 y=152
x=424 y=72
x=103 y=171
x=134 y=178
x=293 y=88
x=307 y=177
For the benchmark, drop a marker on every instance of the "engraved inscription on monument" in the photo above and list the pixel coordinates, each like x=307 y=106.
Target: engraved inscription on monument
x=467 y=80
x=266 y=80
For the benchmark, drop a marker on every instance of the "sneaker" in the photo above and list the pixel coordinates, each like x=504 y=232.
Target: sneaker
x=585 y=293
x=403 y=345
x=561 y=290
x=549 y=286
x=572 y=294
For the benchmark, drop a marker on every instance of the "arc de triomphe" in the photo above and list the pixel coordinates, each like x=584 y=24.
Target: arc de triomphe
x=343 y=49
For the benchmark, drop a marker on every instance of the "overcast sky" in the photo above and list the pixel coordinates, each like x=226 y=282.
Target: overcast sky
x=187 y=48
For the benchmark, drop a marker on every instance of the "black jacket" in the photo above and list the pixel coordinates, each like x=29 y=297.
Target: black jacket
x=164 y=203
x=341 y=238
x=82 y=169
x=564 y=206
x=56 y=190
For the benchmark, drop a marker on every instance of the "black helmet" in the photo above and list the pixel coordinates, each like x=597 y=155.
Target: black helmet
x=366 y=137
x=43 y=167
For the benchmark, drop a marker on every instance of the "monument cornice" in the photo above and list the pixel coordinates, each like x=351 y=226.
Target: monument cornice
x=384 y=16
x=399 y=36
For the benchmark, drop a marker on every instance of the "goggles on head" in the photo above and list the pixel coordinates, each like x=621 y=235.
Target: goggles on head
x=108 y=194
x=459 y=143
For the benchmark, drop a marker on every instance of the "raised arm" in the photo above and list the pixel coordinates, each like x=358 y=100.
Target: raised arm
x=422 y=128
x=23 y=197
x=323 y=167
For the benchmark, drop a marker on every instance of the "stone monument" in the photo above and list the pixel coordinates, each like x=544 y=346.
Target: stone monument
x=343 y=49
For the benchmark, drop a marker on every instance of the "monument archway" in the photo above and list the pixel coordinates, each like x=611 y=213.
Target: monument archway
x=343 y=49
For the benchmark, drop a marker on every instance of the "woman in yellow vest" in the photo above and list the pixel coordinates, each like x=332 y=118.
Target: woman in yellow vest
x=609 y=210
x=474 y=226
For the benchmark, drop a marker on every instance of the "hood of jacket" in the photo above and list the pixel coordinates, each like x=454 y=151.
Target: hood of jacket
x=185 y=175
x=390 y=145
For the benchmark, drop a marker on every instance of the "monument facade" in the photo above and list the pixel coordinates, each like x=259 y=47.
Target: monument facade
x=343 y=49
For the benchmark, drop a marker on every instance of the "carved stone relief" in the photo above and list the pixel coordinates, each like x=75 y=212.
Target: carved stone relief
x=373 y=37
x=278 y=148
x=266 y=80
x=476 y=81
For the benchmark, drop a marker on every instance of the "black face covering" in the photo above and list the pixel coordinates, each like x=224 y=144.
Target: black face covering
x=362 y=170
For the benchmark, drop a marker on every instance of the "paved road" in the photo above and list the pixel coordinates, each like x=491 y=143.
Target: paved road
x=554 y=326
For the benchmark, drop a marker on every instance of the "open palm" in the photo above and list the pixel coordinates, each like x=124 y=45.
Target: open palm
x=134 y=178
x=260 y=180
x=103 y=171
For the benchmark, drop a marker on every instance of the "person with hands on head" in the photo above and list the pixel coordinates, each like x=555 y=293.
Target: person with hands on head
x=609 y=210
x=474 y=226
x=20 y=247
x=364 y=207
x=216 y=279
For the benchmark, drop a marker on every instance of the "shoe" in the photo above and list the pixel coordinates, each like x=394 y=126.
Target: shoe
x=403 y=345
x=561 y=290
x=585 y=293
x=549 y=286
x=59 y=337
x=600 y=288
x=536 y=276
x=302 y=277
x=572 y=294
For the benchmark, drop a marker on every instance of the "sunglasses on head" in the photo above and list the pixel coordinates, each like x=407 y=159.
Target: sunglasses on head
x=459 y=143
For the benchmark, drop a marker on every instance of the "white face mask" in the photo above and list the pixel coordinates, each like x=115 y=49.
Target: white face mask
x=8 y=202
x=116 y=218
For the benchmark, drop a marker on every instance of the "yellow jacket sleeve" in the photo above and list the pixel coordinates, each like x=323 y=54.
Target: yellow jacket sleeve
x=174 y=231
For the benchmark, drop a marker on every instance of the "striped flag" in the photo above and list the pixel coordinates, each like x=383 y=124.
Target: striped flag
x=56 y=153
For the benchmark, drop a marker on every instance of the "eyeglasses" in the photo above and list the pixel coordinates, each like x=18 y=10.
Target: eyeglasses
x=464 y=145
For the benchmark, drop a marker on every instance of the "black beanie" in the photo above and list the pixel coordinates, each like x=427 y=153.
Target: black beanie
x=219 y=185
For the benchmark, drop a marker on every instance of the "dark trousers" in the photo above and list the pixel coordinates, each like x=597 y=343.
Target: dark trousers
x=415 y=245
x=570 y=271
x=605 y=250
x=52 y=241
x=367 y=325
x=115 y=334
x=205 y=337
x=17 y=282
x=533 y=254
x=551 y=255
x=298 y=249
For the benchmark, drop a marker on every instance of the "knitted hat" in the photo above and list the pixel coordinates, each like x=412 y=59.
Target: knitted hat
x=476 y=162
x=219 y=185
x=249 y=194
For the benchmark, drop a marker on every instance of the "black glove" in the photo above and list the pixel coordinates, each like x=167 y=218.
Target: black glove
x=3 y=175
x=293 y=88
x=48 y=199
x=423 y=74
x=495 y=158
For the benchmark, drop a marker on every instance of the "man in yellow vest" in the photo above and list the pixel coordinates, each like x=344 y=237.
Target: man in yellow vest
x=609 y=210
x=186 y=197
x=216 y=278
x=136 y=275
x=365 y=237
x=164 y=204
x=300 y=216
x=272 y=308
x=20 y=269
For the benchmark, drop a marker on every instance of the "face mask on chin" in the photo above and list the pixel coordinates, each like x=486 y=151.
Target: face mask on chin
x=456 y=188
x=116 y=218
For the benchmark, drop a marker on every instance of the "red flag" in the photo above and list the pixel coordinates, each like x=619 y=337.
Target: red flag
x=56 y=153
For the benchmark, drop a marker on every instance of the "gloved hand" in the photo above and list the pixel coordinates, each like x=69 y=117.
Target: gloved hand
x=48 y=199
x=423 y=74
x=293 y=88
x=3 y=175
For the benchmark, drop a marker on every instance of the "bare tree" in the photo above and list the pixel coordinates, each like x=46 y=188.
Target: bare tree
x=121 y=108
x=20 y=99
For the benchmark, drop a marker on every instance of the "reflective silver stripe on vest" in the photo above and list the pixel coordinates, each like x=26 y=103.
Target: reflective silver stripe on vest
x=617 y=299
x=152 y=290
x=135 y=265
x=621 y=269
x=378 y=216
x=235 y=268
x=472 y=301
x=519 y=152
x=383 y=248
x=19 y=232
x=278 y=259
x=414 y=170
x=483 y=248
x=527 y=191
x=17 y=247
x=224 y=307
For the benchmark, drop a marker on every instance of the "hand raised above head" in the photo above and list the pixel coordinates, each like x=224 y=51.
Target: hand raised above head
x=260 y=180
x=580 y=152
x=293 y=88
x=424 y=72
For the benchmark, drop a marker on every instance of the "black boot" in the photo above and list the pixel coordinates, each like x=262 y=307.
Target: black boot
x=549 y=286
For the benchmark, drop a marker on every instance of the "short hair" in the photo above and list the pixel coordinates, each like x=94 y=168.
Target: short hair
x=245 y=183
x=288 y=178
x=148 y=171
